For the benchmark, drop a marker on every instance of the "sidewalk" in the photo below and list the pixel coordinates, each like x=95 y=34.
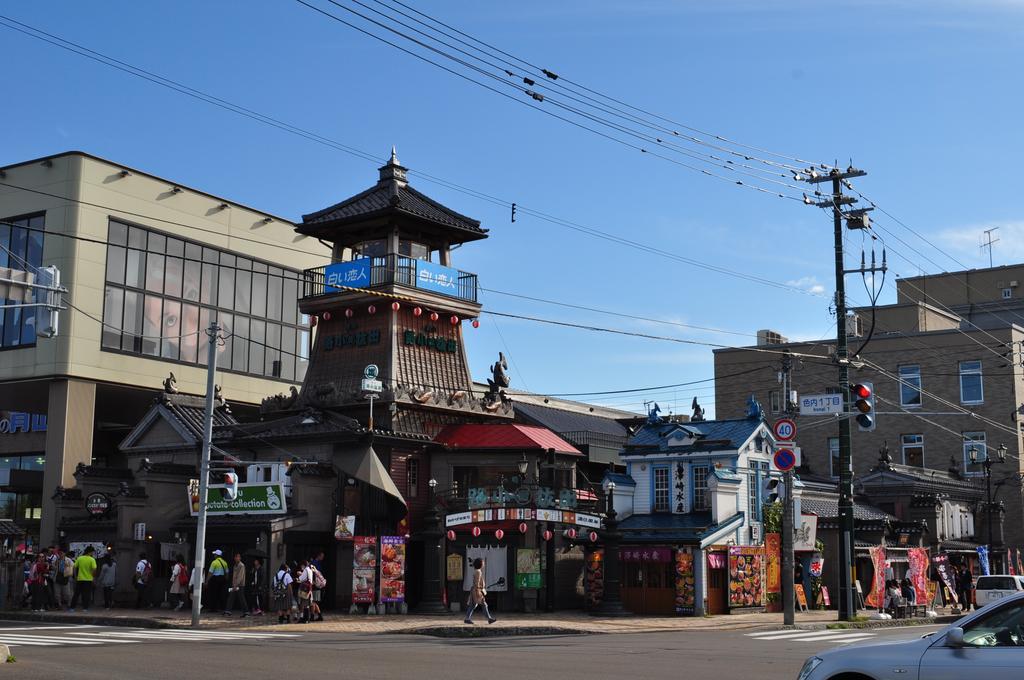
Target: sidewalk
x=451 y=625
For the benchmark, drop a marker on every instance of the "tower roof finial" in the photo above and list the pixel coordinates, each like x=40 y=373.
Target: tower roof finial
x=394 y=156
x=393 y=171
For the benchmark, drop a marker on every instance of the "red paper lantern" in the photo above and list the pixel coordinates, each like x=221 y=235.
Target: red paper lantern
x=395 y=306
x=313 y=321
x=593 y=537
x=522 y=527
x=416 y=311
x=349 y=313
x=451 y=534
x=499 y=534
x=455 y=320
x=570 y=533
x=434 y=316
x=476 y=323
x=371 y=309
x=547 y=535
x=327 y=316
x=476 y=531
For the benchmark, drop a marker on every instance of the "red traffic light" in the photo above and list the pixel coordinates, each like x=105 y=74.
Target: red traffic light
x=861 y=391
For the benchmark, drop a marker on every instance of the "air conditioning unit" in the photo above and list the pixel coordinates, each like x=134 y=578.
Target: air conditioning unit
x=1013 y=284
x=755 y=533
x=854 y=325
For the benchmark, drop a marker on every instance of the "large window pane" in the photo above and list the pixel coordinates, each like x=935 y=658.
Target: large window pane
x=289 y=300
x=240 y=344
x=191 y=334
x=154 y=272
x=191 y=281
x=225 y=347
x=243 y=284
x=257 y=345
x=173 y=276
x=115 y=264
x=135 y=268
x=971 y=390
x=226 y=297
x=302 y=350
x=287 y=353
x=272 y=352
x=113 y=313
x=152 y=321
x=274 y=294
x=131 y=340
x=171 y=343
x=205 y=315
x=208 y=290
x=117 y=233
x=259 y=295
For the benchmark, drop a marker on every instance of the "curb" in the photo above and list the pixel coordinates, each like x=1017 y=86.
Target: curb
x=86 y=620
x=860 y=625
x=489 y=631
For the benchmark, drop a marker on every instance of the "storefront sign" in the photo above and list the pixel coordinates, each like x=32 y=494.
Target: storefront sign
x=139 y=531
x=252 y=499
x=527 y=568
x=364 y=568
x=458 y=519
x=430 y=341
x=453 y=567
x=344 y=527
x=591 y=521
x=353 y=274
x=805 y=535
x=436 y=277
x=746 y=576
x=97 y=504
x=942 y=565
x=13 y=422
x=354 y=339
x=541 y=497
x=651 y=554
x=773 y=568
x=686 y=593
x=392 y=568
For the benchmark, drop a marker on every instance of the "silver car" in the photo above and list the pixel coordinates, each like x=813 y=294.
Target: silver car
x=987 y=644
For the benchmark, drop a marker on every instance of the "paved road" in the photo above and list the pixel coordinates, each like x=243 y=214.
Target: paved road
x=103 y=653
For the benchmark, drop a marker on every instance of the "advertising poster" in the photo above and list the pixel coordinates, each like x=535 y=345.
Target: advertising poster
x=344 y=527
x=595 y=577
x=453 y=567
x=364 y=568
x=773 y=562
x=946 y=575
x=527 y=568
x=746 y=576
x=918 y=573
x=876 y=595
x=392 y=568
x=686 y=592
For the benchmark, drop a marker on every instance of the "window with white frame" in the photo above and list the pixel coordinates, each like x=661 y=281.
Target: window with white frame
x=971 y=389
x=833 y=457
x=975 y=440
x=662 y=475
x=910 y=385
x=700 y=487
x=758 y=471
x=775 y=401
x=913 y=449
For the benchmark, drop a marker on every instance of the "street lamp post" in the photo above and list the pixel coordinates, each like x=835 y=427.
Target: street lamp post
x=611 y=600
x=987 y=464
x=430 y=601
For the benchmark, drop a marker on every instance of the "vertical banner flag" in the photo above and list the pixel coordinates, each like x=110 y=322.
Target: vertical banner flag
x=392 y=568
x=1020 y=565
x=773 y=554
x=364 y=569
x=945 y=570
x=877 y=592
x=918 y=572
x=685 y=582
x=983 y=560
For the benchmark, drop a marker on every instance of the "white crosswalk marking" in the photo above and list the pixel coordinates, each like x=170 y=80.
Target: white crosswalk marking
x=55 y=636
x=837 y=636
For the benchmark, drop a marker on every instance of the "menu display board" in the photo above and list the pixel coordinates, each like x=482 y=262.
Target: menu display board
x=773 y=565
x=527 y=568
x=364 y=568
x=746 y=576
x=453 y=567
x=392 y=568
x=685 y=582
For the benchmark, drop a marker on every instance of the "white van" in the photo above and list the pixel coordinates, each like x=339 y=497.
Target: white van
x=988 y=589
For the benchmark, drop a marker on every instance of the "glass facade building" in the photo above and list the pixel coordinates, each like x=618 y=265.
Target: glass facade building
x=22 y=241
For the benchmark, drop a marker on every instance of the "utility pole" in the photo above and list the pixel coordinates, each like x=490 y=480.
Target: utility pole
x=204 y=473
x=788 y=599
x=858 y=220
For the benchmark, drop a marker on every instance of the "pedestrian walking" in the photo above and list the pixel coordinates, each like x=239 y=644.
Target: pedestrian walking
x=965 y=586
x=53 y=555
x=305 y=587
x=37 y=582
x=179 y=583
x=319 y=583
x=108 y=579
x=85 y=572
x=281 y=590
x=478 y=594
x=217 y=581
x=236 y=593
x=143 y=579
x=64 y=578
x=256 y=586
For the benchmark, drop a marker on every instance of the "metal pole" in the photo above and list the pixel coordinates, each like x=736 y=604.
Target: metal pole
x=788 y=603
x=847 y=609
x=549 y=549
x=988 y=512
x=204 y=474
x=369 y=425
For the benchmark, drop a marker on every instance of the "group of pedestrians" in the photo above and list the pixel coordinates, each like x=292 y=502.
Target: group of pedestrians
x=235 y=586
x=56 y=579
x=297 y=590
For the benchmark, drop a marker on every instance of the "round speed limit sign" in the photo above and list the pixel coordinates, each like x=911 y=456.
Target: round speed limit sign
x=784 y=429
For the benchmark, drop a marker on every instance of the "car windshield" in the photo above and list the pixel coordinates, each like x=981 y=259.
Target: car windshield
x=1002 y=628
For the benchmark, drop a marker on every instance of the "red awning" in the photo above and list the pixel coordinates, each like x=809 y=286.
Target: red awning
x=504 y=436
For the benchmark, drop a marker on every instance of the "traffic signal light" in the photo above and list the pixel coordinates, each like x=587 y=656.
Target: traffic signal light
x=230 y=490
x=863 y=395
x=772 y=490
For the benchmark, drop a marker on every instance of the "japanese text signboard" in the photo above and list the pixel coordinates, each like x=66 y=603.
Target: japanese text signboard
x=392 y=568
x=364 y=568
x=341 y=275
x=821 y=404
x=686 y=594
x=437 y=278
x=252 y=499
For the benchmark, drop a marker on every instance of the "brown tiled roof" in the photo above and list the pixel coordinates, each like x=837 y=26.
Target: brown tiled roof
x=190 y=412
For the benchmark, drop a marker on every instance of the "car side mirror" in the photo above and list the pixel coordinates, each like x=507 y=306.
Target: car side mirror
x=955 y=637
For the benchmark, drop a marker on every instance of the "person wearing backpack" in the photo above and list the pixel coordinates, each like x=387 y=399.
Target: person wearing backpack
x=108 y=579
x=179 y=583
x=237 y=589
x=281 y=590
x=143 y=578
x=319 y=583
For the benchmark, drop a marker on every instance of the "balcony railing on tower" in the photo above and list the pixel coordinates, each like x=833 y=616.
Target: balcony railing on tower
x=389 y=270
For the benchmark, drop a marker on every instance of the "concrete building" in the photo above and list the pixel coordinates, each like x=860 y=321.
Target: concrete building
x=148 y=263
x=945 y=363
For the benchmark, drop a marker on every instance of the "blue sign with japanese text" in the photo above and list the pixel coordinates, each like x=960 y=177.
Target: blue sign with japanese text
x=353 y=274
x=436 y=277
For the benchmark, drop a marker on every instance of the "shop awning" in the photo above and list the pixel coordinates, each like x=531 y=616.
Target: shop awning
x=364 y=465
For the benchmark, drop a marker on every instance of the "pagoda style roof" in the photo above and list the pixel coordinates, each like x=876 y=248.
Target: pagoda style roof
x=391 y=196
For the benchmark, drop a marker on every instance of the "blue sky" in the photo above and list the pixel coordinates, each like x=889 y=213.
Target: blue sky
x=923 y=95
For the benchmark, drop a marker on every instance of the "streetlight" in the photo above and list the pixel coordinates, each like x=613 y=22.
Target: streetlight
x=523 y=465
x=611 y=600
x=987 y=464
x=430 y=602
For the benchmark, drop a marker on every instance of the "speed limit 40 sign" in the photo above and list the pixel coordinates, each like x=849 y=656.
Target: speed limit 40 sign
x=784 y=429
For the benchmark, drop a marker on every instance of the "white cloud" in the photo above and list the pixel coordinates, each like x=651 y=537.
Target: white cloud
x=964 y=243
x=808 y=283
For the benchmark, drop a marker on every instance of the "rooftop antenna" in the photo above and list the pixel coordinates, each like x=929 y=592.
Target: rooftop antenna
x=987 y=243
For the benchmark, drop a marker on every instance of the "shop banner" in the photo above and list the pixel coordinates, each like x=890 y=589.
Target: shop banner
x=654 y=554
x=686 y=593
x=527 y=568
x=805 y=535
x=746 y=576
x=595 y=577
x=983 y=560
x=773 y=560
x=453 y=567
x=876 y=595
x=392 y=568
x=946 y=574
x=1020 y=564
x=495 y=567
x=344 y=527
x=252 y=499
x=364 y=568
x=918 y=572
x=78 y=547
x=352 y=274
